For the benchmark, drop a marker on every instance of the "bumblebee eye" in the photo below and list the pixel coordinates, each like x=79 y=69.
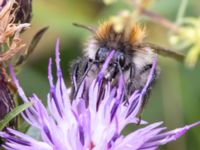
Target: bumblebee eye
x=121 y=59
x=102 y=54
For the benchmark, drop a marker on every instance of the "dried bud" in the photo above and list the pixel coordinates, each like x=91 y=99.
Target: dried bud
x=24 y=13
x=2 y=3
x=21 y=8
x=6 y=96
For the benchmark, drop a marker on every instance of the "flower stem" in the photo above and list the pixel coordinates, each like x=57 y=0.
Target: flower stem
x=160 y=20
x=181 y=12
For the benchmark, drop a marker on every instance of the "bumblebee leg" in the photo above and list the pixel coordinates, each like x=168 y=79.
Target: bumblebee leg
x=146 y=72
x=139 y=119
x=74 y=74
x=138 y=81
x=130 y=84
x=132 y=71
x=79 y=70
x=145 y=96
x=129 y=89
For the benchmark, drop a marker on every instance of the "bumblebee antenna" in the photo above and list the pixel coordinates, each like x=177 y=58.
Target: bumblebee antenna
x=89 y=28
x=163 y=51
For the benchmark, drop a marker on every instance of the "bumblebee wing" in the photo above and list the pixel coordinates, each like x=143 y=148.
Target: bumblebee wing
x=163 y=51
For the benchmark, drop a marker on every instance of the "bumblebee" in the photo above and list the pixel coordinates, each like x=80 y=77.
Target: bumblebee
x=133 y=58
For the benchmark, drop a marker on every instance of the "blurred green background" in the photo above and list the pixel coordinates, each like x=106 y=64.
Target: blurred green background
x=176 y=97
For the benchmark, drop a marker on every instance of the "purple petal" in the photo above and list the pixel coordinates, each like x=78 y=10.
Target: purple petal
x=52 y=88
x=19 y=89
x=167 y=137
x=105 y=65
x=59 y=72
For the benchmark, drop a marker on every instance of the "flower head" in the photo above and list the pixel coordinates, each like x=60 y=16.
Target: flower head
x=98 y=125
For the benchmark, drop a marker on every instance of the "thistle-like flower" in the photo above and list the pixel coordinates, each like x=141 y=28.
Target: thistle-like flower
x=92 y=124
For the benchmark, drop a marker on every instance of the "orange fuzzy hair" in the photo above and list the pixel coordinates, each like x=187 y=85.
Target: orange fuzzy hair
x=103 y=30
x=131 y=33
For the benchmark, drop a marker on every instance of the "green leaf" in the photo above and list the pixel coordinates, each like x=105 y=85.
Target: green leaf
x=37 y=37
x=11 y=115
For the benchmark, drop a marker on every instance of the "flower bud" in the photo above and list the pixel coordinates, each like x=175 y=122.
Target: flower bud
x=6 y=97
x=24 y=13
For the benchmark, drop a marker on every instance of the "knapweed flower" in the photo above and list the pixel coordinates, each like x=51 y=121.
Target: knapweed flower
x=96 y=125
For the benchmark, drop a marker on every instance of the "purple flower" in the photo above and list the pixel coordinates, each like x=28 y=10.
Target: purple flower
x=67 y=125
